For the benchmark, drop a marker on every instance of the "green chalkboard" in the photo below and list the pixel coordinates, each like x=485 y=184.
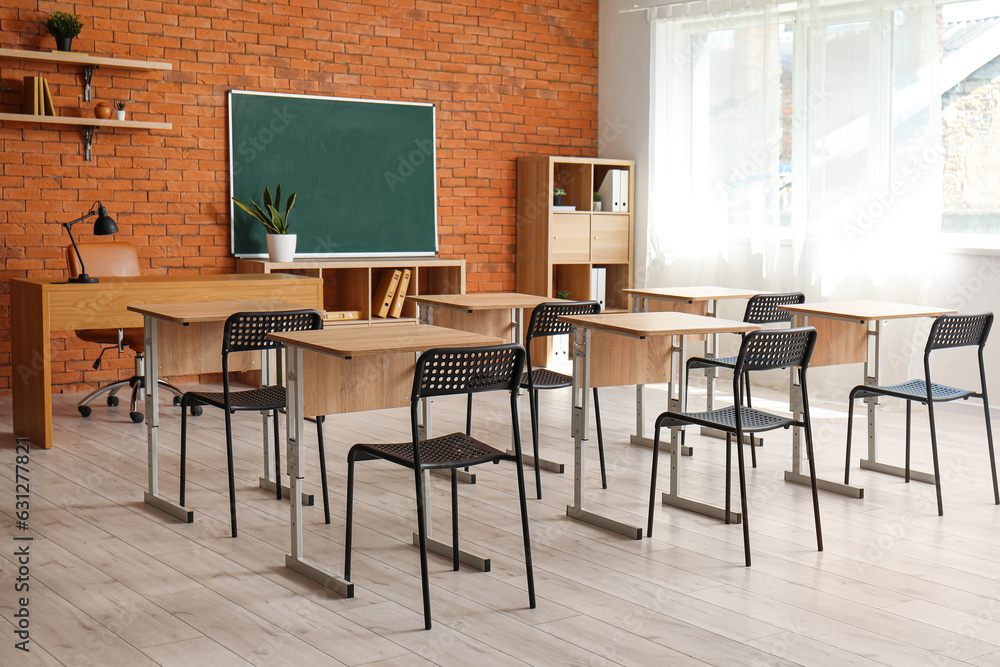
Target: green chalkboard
x=364 y=172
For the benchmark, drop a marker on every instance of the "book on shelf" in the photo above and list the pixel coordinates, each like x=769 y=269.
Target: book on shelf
x=397 y=302
x=385 y=292
x=599 y=285
x=564 y=209
x=31 y=96
x=48 y=107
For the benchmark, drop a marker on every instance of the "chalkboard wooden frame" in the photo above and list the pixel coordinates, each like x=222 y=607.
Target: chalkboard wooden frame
x=365 y=172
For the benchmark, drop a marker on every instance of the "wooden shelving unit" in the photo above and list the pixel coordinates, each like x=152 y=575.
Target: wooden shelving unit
x=89 y=64
x=557 y=250
x=349 y=284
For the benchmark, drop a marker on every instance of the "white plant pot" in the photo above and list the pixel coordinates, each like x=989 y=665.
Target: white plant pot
x=281 y=247
x=597 y=206
x=120 y=114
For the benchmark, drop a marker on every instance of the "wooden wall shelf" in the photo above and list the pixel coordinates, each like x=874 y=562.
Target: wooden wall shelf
x=88 y=62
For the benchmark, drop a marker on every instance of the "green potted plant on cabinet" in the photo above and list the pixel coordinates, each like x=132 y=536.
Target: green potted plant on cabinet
x=597 y=201
x=557 y=196
x=280 y=241
x=64 y=26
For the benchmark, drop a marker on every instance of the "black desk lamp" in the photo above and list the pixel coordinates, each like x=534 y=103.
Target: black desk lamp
x=103 y=226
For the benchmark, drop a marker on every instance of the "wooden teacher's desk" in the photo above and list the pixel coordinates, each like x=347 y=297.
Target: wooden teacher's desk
x=186 y=339
x=349 y=369
x=850 y=332
x=634 y=348
x=40 y=306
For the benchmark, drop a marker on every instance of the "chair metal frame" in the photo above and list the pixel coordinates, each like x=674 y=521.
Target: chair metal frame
x=760 y=351
x=947 y=332
x=545 y=322
x=248 y=332
x=443 y=372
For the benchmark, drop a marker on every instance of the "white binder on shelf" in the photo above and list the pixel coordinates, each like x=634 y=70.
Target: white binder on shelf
x=599 y=285
x=624 y=190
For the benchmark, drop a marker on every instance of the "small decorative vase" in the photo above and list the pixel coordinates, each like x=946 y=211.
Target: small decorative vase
x=557 y=200
x=102 y=111
x=64 y=43
x=597 y=206
x=281 y=247
x=120 y=114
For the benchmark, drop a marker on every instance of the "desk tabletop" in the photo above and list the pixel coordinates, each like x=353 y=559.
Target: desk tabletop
x=210 y=311
x=691 y=294
x=199 y=280
x=481 y=301
x=357 y=341
x=865 y=311
x=658 y=324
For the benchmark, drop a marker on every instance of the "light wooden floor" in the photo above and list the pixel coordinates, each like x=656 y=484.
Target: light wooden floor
x=114 y=582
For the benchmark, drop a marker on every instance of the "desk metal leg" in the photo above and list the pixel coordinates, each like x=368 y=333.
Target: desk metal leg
x=581 y=392
x=295 y=461
x=268 y=376
x=150 y=371
x=795 y=475
x=436 y=546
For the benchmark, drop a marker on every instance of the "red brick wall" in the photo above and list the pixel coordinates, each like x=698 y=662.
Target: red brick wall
x=508 y=78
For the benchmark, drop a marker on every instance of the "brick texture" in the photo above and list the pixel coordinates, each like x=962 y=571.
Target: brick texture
x=507 y=78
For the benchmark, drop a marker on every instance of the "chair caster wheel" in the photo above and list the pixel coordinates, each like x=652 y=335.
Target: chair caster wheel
x=196 y=410
x=136 y=417
x=112 y=401
x=84 y=410
x=177 y=400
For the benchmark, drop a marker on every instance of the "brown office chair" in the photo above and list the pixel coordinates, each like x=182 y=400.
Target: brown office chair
x=113 y=258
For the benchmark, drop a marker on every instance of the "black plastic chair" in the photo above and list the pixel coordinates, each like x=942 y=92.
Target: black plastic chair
x=442 y=372
x=247 y=332
x=760 y=351
x=947 y=331
x=545 y=322
x=761 y=309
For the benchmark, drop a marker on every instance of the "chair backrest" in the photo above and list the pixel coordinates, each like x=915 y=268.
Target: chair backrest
x=959 y=331
x=467 y=370
x=776 y=348
x=110 y=258
x=248 y=331
x=545 y=317
x=763 y=308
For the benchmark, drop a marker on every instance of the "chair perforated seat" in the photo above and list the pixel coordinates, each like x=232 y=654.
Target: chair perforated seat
x=444 y=372
x=752 y=421
x=265 y=398
x=947 y=331
x=917 y=390
x=448 y=451
x=543 y=378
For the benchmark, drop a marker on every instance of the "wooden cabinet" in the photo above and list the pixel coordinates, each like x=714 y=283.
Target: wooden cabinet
x=558 y=249
x=349 y=285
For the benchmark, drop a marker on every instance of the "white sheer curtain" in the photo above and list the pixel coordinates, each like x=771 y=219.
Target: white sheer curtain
x=797 y=149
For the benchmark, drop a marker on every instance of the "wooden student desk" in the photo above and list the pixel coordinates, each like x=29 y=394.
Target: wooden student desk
x=349 y=369
x=850 y=332
x=186 y=339
x=40 y=306
x=634 y=348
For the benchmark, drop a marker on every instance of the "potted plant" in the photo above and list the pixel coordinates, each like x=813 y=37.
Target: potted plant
x=597 y=201
x=557 y=196
x=280 y=242
x=120 y=109
x=64 y=27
